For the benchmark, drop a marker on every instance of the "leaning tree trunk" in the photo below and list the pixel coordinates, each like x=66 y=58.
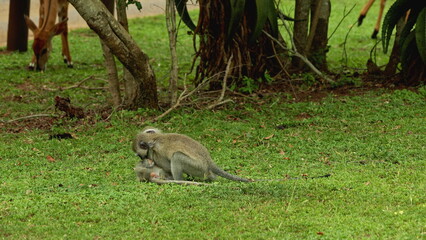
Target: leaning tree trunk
x=250 y=58
x=144 y=90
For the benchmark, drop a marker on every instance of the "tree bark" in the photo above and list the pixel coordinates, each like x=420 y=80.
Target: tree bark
x=144 y=89
x=114 y=86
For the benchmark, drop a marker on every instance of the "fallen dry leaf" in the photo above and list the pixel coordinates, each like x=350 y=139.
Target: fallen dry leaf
x=269 y=137
x=50 y=158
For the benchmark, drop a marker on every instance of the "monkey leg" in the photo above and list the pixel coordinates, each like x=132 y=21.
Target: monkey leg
x=181 y=163
x=177 y=170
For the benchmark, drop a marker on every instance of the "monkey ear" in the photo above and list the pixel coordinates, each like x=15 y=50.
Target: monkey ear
x=149 y=131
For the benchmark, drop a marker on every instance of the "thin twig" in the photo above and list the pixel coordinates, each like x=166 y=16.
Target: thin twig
x=185 y=95
x=341 y=20
x=29 y=117
x=78 y=85
x=345 y=54
x=297 y=54
x=177 y=103
x=222 y=93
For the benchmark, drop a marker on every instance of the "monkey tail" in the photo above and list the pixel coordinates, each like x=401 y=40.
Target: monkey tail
x=291 y=178
x=222 y=173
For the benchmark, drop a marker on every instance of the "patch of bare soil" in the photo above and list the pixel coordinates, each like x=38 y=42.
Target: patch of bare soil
x=43 y=123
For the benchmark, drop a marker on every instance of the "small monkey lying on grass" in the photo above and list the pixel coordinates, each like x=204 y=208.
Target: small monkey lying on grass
x=167 y=156
x=147 y=171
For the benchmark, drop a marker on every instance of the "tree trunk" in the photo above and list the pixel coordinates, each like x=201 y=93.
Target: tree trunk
x=250 y=58
x=144 y=90
x=17 y=30
x=314 y=45
x=114 y=86
x=129 y=80
x=171 y=27
x=319 y=33
x=300 y=31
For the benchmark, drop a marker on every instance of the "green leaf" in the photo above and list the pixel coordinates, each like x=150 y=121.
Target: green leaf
x=237 y=11
x=183 y=13
x=395 y=12
x=136 y=3
x=420 y=32
x=265 y=10
x=409 y=24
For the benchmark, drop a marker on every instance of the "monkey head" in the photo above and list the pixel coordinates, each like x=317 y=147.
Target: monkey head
x=144 y=141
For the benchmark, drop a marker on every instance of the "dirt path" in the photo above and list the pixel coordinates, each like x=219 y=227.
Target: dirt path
x=150 y=7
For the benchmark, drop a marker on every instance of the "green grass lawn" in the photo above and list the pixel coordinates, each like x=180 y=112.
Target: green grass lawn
x=373 y=143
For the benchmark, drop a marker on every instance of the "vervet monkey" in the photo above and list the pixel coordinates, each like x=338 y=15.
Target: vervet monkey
x=178 y=154
x=147 y=171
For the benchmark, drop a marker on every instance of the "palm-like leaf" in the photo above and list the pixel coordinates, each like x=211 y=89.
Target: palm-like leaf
x=414 y=32
x=237 y=12
x=395 y=12
x=183 y=13
x=421 y=34
x=263 y=11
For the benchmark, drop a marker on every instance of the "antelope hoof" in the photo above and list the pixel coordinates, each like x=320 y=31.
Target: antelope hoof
x=360 y=18
x=31 y=67
x=374 y=35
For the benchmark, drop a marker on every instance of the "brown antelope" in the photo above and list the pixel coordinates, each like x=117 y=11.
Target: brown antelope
x=47 y=28
x=379 y=18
